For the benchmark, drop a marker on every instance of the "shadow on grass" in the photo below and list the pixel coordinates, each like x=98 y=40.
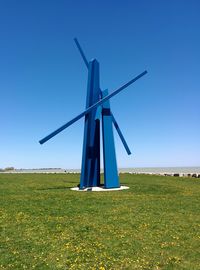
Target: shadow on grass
x=53 y=188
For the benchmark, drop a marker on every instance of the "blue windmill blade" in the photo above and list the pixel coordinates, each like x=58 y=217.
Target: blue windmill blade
x=81 y=52
x=114 y=93
x=121 y=135
x=54 y=133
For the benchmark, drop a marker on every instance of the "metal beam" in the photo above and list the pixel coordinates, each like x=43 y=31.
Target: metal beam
x=121 y=135
x=81 y=52
x=98 y=113
x=91 y=108
x=111 y=178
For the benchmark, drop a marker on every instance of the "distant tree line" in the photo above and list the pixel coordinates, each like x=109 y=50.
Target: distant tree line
x=7 y=169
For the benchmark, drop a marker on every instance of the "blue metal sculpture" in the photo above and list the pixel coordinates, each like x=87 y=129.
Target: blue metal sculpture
x=97 y=107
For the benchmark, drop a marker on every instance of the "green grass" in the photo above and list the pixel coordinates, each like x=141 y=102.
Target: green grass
x=153 y=225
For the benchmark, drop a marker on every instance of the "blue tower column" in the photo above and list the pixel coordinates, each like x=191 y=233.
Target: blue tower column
x=111 y=178
x=90 y=170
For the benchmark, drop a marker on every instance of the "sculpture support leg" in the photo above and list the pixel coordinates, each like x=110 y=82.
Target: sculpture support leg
x=90 y=170
x=111 y=178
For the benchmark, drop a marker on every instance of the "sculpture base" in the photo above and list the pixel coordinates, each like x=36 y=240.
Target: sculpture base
x=99 y=188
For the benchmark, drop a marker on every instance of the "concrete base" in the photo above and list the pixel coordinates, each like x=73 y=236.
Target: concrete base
x=99 y=188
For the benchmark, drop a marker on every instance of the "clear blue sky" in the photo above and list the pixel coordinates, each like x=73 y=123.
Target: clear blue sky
x=43 y=79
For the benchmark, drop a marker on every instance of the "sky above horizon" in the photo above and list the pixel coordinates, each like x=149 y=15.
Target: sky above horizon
x=43 y=79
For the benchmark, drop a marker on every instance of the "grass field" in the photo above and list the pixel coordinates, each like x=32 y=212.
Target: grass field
x=153 y=225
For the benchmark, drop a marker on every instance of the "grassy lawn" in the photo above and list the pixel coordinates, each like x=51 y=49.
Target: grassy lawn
x=153 y=225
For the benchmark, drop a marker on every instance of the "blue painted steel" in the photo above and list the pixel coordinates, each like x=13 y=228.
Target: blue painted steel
x=121 y=135
x=90 y=171
x=111 y=179
x=98 y=113
x=97 y=105
x=81 y=52
x=100 y=102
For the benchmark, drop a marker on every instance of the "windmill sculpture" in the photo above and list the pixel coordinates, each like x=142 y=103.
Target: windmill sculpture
x=97 y=108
